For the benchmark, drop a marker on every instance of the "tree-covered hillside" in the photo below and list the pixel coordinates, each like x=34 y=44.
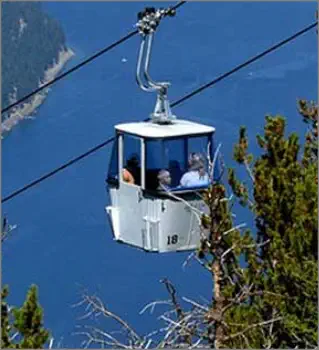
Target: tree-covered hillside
x=31 y=41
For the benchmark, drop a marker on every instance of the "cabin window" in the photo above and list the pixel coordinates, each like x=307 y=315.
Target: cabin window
x=132 y=157
x=112 y=176
x=163 y=154
x=173 y=155
x=200 y=145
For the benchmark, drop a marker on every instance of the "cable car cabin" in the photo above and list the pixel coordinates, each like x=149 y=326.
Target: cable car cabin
x=146 y=211
x=158 y=168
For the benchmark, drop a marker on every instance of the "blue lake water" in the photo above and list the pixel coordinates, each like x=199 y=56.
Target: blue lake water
x=63 y=242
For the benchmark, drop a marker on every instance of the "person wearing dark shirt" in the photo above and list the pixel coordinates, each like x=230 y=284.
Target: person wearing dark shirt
x=131 y=172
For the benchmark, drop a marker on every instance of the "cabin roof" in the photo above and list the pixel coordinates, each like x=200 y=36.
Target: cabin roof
x=177 y=128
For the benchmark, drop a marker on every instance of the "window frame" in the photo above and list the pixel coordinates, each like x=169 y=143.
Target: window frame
x=210 y=138
x=119 y=142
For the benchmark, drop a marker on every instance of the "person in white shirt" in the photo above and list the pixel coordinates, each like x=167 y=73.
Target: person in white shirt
x=196 y=176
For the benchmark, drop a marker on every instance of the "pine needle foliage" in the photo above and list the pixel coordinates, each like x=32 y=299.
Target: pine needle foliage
x=271 y=300
x=22 y=328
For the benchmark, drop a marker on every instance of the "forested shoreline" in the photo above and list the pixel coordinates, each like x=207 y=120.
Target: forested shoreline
x=33 y=51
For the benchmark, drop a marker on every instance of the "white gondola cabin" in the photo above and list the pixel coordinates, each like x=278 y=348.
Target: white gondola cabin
x=143 y=212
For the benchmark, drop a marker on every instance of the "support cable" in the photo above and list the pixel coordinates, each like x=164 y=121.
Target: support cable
x=177 y=102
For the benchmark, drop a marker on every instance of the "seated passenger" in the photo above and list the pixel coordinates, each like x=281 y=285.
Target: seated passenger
x=131 y=171
x=203 y=175
x=164 y=180
x=196 y=176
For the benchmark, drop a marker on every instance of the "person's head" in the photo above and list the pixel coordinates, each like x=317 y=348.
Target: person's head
x=164 y=177
x=133 y=161
x=196 y=161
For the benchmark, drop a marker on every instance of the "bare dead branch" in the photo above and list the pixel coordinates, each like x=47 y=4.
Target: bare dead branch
x=175 y=325
x=260 y=324
x=95 y=307
x=205 y=308
x=97 y=304
x=58 y=344
x=187 y=260
x=203 y=264
x=249 y=171
x=196 y=344
x=233 y=229
x=256 y=245
x=153 y=304
x=228 y=251
x=13 y=336
x=227 y=199
x=96 y=340
x=243 y=247
x=172 y=292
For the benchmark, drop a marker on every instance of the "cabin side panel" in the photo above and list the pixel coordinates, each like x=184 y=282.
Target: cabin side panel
x=180 y=225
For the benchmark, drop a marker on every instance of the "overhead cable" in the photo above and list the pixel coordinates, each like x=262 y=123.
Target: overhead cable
x=78 y=66
x=175 y=103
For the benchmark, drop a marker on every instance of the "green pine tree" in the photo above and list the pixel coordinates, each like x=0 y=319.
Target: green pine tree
x=271 y=302
x=22 y=328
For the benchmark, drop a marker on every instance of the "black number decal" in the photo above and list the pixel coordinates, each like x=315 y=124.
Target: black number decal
x=172 y=239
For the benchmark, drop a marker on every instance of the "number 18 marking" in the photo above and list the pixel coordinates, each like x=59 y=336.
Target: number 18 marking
x=172 y=239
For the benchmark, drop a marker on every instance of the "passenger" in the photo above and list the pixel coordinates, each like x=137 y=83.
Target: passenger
x=196 y=175
x=131 y=171
x=164 y=180
x=203 y=175
x=195 y=157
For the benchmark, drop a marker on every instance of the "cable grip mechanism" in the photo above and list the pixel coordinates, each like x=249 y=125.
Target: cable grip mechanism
x=148 y=21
